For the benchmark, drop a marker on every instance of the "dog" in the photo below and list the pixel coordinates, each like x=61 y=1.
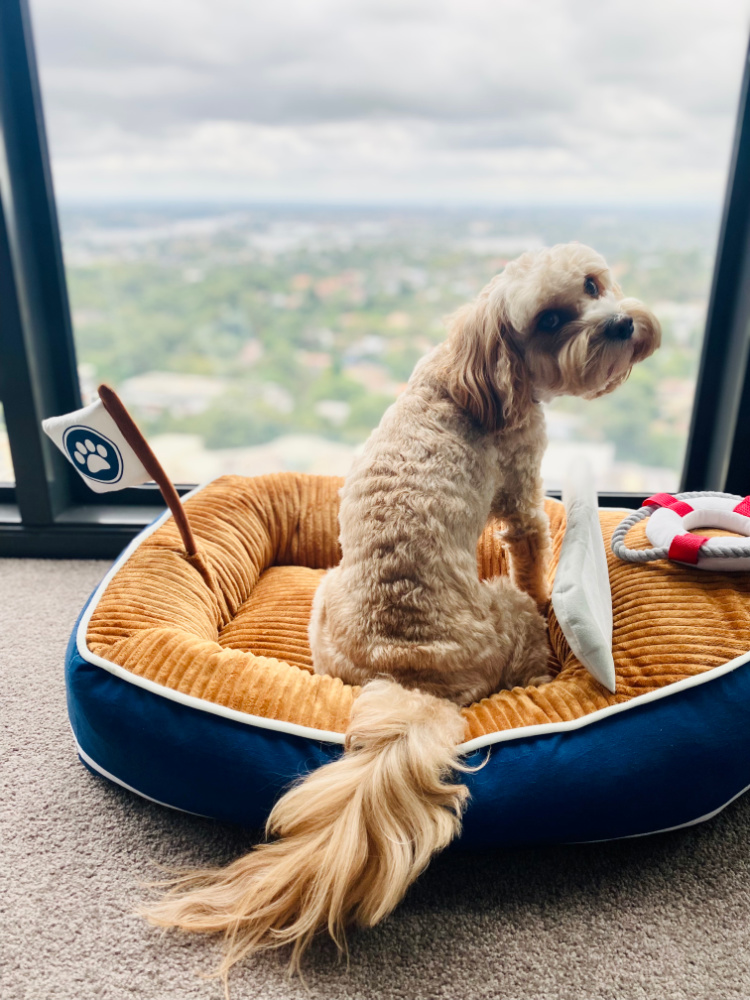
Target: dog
x=405 y=615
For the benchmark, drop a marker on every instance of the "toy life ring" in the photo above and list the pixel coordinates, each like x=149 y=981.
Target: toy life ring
x=671 y=519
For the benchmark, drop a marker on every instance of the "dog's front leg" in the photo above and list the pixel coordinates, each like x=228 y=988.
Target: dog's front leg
x=519 y=504
x=527 y=539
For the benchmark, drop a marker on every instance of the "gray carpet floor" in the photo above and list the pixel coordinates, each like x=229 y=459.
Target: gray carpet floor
x=659 y=918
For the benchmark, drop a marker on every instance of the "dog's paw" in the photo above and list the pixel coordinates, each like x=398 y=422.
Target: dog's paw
x=543 y=604
x=539 y=680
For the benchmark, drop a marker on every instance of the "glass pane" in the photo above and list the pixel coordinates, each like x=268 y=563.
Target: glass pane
x=6 y=465
x=266 y=214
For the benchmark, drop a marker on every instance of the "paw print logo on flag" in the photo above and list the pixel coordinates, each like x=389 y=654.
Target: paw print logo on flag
x=103 y=444
x=94 y=455
x=97 y=449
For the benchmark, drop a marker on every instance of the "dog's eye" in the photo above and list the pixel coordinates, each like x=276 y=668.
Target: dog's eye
x=550 y=321
x=591 y=288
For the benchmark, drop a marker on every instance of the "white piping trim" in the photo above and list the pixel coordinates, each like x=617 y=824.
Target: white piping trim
x=603 y=713
x=668 y=829
x=327 y=736
x=603 y=840
x=123 y=784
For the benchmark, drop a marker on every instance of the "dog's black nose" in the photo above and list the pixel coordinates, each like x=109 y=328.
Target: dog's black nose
x=619 y=328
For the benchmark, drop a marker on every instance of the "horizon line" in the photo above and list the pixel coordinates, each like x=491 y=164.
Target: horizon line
x=66 y=202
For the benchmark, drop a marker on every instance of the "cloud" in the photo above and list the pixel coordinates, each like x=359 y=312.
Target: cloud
x=451 y=99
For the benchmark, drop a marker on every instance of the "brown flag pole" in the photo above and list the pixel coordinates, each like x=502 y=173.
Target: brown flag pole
x=129 y=430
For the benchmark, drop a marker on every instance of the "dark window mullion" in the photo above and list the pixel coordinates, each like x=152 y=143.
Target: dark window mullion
x=17 y=393
x=717 y=457
x=738 y=473
x=39 y=374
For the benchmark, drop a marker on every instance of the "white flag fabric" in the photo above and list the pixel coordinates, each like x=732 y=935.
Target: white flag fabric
x=582 y=595
x=95 y=446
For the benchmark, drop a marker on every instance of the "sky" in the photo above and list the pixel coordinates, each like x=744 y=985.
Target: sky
x=417 y=101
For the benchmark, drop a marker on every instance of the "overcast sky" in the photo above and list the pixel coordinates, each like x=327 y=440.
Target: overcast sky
x=447 y=101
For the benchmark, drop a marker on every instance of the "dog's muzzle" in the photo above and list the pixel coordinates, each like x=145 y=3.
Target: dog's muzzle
x=618 y=328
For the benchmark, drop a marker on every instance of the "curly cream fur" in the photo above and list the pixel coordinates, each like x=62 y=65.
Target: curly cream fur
x=463 y=443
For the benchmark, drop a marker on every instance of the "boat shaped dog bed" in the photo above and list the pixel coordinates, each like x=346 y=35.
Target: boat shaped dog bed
x=190 y=682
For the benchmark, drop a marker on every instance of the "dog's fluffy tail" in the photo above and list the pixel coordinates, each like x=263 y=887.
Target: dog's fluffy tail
x=352 y=836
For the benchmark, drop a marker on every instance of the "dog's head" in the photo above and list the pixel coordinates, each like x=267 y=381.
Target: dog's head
x=553 y=323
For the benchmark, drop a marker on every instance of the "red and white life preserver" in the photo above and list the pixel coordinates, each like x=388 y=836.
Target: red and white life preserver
x=672 y=519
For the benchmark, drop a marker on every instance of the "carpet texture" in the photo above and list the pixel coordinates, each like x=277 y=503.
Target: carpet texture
x=658 y=918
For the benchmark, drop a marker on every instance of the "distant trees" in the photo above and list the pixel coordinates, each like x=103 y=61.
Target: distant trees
x=348 y=325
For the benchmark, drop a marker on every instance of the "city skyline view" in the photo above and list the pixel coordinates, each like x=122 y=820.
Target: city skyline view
x=267 y=215
x=258 y=339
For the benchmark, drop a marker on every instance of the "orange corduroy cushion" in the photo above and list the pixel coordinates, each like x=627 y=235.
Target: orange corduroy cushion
x=230 y=626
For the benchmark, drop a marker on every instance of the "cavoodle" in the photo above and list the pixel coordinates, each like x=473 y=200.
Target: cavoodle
x=405 y=615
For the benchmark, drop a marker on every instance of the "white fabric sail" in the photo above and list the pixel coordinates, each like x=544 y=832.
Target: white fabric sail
x=95 y=446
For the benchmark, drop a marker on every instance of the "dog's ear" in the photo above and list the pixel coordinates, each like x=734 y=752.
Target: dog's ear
x=483 y=371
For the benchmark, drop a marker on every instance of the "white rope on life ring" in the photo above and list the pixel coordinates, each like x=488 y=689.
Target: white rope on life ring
x=672 y=517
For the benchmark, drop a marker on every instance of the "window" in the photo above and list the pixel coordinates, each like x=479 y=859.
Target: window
x=266 y=319
x=263 y=227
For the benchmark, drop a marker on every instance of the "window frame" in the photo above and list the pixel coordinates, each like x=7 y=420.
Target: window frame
x=50 y=512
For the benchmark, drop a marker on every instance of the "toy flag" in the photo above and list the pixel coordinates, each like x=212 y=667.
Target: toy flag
x=103 y=443
x=582 y=594
x=96 y=447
